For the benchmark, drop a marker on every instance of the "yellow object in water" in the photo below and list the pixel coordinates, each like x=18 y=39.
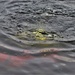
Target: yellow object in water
x=39 y=36
x=40 y=30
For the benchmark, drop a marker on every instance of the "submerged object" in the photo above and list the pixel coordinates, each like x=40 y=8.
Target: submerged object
x=36 y=35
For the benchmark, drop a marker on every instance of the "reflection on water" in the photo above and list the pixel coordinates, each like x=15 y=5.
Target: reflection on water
x=30 y=57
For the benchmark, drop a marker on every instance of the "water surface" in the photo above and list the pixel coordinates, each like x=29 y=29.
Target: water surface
x=27 y=15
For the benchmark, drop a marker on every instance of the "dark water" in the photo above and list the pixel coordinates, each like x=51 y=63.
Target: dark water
x=26 y=15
